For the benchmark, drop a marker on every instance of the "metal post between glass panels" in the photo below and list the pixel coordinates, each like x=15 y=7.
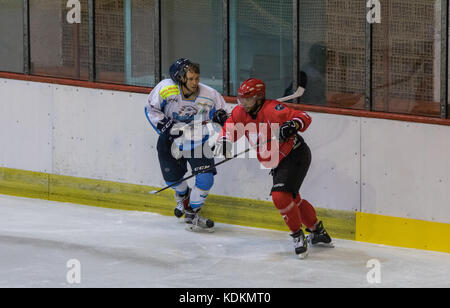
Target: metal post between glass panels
x=295 y=42
x=128 y=42
x=157 y=40
x=368 y=67
x=26 y=37
x=232 y=51
x=226 y=47
x=444 y=59
x=92 y=68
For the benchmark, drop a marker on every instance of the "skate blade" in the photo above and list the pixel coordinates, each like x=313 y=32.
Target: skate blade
x=303 y=256
x=320 y=244
x=192 y=228
x=325 y=245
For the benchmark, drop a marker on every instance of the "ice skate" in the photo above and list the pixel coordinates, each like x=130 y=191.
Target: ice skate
x=195 y=222
x=300 y=244
x=319 y=237
x=182 y=204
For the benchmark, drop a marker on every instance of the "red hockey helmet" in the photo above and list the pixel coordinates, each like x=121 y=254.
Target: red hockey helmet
x=252 y=88
x=250 y=92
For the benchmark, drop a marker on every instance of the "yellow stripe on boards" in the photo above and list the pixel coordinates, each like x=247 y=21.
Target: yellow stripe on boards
x=122 y=196
x=402 y=232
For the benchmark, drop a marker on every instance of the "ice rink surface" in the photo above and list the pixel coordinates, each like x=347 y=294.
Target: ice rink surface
x=137 y=249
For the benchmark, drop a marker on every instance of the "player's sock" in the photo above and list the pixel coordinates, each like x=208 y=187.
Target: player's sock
x=318 y=234
x=284 y=202
x=198 y=198
x=307 y=212
x=203 y=183
x=181 y=188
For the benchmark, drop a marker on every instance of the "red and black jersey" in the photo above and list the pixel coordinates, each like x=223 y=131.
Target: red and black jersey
x=263 y=127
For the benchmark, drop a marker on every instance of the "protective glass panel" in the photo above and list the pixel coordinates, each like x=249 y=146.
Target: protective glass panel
x=332 y=52
x=407 y=57
x=11 y=36
x=59 y=39
x=124 y=41
x=193 y=30
x=261 y=44
x=140 y=62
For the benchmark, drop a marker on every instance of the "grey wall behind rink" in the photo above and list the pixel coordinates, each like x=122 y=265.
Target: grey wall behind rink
x=370 y=165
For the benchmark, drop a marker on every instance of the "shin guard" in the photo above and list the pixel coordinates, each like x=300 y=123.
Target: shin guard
x=285 y=203
x=307 y=212
x=181 y=189
x=203 y=183
x=198 y=197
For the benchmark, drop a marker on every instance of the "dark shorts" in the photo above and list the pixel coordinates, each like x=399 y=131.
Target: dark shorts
x=291 y=172
x=174 y=169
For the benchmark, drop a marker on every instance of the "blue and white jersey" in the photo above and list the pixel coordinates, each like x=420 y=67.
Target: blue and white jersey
x=166 y=100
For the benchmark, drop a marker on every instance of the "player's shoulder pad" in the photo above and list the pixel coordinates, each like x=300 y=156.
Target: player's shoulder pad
x=167 y=88
x=164 y=83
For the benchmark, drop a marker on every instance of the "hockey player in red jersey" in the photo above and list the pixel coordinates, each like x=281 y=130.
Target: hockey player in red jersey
x=289 y=163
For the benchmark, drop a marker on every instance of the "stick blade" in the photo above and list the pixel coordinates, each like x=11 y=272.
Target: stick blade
x=296 y=94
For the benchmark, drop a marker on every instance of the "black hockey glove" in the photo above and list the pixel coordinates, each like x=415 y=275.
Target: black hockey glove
x=288 y=129
x=220 y=117
x=164 y=126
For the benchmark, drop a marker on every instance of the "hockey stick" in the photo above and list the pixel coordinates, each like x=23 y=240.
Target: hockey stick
x=302 y=82
x=296 y=94
x=154 y=192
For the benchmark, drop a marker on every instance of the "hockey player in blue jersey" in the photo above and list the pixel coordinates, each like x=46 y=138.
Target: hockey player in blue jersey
x=183 y=100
